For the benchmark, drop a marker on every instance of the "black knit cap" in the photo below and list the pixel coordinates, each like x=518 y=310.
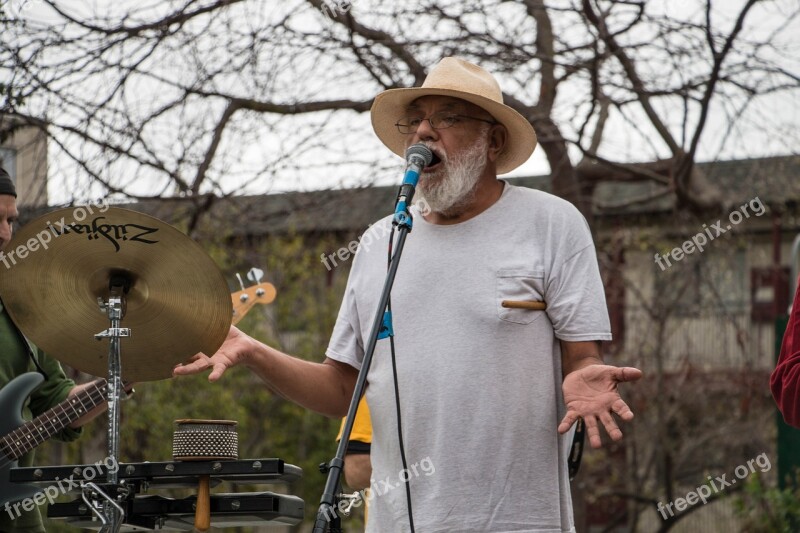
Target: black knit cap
x=6 y=185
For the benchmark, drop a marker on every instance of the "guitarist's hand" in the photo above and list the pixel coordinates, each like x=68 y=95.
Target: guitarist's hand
x=234 y=351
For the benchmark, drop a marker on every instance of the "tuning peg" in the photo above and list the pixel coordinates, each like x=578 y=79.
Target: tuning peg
x=243 y=296
x=255 y=275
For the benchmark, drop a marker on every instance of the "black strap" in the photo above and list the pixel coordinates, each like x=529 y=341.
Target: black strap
x=358 y=447
x=26 y=342
x=576 y=452
x=31 y=352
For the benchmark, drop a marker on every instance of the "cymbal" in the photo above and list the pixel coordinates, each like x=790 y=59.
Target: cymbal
x=56 y=267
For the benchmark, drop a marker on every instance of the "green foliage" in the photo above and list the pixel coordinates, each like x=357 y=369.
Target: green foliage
x=769 y=509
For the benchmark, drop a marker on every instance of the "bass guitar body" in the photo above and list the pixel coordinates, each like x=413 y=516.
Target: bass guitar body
x=12 y=400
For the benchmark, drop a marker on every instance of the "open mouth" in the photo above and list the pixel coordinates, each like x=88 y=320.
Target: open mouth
x=434 y=162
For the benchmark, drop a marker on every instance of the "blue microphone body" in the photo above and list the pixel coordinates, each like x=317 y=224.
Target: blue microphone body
x=418 y=156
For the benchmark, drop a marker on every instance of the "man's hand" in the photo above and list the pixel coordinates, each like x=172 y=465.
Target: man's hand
x=322 y=387
x=591 y=393
x=233 y=351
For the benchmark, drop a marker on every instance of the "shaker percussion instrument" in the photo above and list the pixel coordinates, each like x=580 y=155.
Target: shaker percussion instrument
x=204 y=440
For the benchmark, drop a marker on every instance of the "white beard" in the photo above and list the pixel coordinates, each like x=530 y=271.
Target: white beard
x=448 y=190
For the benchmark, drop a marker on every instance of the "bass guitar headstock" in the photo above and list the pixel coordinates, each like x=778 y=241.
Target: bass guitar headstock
x=258 y=293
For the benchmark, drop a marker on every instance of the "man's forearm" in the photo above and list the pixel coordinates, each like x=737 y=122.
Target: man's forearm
x=576 y=355
x=357 y=470
x=325 y=388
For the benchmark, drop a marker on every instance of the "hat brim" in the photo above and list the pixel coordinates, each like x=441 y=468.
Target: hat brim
x=391 y=105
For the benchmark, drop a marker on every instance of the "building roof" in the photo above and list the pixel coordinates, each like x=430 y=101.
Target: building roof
x=775 y=180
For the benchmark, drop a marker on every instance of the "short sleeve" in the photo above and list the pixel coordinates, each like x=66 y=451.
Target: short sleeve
x=347 y=341
x=346 y=345
x=576 y=302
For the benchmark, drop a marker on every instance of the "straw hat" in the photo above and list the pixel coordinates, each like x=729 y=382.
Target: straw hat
x=459 y=79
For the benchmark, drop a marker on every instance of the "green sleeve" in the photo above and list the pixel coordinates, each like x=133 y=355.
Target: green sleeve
x=53 y=391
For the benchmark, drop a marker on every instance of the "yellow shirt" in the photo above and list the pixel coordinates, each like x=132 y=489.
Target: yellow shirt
x=362 y=426
x=362 y=432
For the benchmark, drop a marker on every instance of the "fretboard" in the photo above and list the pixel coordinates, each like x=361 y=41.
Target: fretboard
x=31 y=434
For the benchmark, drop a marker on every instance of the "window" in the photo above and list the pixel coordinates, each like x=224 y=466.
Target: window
x=766 y=304
x=8 y=160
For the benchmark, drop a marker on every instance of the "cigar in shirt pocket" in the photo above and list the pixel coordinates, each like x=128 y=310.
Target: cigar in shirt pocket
x=534 y=305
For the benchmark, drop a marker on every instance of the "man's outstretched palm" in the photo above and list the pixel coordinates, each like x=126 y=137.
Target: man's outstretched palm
x=591 y=393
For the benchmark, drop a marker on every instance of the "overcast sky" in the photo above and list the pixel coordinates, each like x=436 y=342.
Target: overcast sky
x=268 y=155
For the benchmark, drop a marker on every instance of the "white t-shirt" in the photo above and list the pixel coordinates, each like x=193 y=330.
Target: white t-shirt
x=479 y=384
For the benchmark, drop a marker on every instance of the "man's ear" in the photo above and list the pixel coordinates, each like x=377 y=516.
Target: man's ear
x=498 y=137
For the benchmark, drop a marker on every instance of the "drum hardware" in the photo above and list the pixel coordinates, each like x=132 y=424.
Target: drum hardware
x=167 y=474
x=112 y=514
x=228 y=510
x=351 y=499
x=155 y=512
x=97 y=500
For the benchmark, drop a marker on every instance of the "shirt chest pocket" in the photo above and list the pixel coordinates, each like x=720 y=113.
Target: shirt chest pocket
x=519 y=285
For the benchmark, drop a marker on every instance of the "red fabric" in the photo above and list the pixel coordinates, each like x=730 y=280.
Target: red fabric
x=785 y=379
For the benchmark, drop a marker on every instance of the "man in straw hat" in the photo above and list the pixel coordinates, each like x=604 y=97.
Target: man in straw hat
x=487 y=392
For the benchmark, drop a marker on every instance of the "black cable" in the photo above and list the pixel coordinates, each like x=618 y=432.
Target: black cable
x=407 y=479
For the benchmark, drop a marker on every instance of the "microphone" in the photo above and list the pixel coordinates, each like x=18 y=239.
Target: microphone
x=418 y=156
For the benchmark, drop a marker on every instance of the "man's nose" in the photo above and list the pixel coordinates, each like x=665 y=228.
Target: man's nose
x=425 y=132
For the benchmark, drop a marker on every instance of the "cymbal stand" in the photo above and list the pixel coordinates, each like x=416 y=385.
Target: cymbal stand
x=91 y=495
x=115 y=308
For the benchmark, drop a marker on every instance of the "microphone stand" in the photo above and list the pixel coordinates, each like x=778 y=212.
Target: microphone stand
x=326 y=514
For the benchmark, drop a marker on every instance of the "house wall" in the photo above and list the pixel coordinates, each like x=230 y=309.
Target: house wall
x=701 y=307
x=24 y=156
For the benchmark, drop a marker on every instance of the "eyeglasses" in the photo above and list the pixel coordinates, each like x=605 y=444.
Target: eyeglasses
x=438 y=121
